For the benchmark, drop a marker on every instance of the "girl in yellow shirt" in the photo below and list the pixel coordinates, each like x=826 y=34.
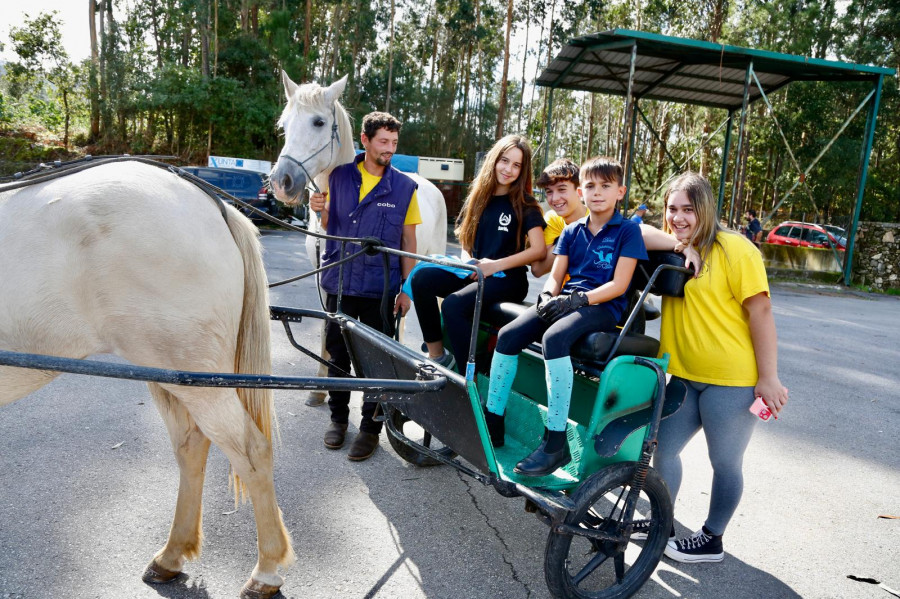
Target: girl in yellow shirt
x=723 y=346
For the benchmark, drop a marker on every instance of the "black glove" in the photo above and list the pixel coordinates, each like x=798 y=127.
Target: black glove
x=557 y=307
x=542 y=299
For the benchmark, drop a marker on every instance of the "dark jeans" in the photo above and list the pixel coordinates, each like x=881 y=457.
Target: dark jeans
x=367 y=310
x=459 y=304
x=557 y=338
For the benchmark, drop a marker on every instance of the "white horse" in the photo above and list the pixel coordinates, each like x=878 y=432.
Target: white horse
x=318 y=137
x=131 y=259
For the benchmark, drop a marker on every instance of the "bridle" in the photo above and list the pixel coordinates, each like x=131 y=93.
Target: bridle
x=335 y=136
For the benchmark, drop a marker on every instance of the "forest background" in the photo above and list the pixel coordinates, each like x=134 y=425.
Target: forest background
x=199 y=77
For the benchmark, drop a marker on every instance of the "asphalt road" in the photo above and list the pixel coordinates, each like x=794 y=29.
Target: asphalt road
x=88 y=484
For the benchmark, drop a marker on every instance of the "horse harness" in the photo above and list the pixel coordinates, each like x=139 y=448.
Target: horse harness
x=335 y=136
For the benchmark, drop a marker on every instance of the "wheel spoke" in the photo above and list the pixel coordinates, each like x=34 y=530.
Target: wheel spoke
x=589 y=568
x=426 y=439
x=619 y=563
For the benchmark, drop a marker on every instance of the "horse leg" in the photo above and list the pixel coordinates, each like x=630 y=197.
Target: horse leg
x=16 y=383
x=222 y=418
x=191 y=448
x=317 y=398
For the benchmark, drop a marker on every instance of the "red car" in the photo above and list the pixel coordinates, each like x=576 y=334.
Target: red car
x=803 y=235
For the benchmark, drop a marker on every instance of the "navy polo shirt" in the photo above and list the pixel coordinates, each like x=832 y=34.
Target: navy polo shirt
x=593 y=258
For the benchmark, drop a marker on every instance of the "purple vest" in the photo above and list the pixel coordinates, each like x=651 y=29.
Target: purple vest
x=380 y=214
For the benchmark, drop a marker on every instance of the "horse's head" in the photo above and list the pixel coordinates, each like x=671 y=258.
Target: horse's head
x=316 y=129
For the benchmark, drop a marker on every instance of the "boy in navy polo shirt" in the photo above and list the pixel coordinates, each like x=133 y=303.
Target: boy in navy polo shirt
x=599 y=254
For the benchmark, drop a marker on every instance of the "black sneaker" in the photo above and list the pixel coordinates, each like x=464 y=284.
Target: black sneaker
x=640 y=529
x=699 y=547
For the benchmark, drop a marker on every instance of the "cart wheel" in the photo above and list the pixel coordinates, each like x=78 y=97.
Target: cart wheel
x=414 y=432
x=577 y=566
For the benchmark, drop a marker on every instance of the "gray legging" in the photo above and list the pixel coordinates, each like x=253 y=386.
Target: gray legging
x=723 y=414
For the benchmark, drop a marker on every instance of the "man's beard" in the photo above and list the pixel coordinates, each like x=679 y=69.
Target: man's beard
x=382 y=161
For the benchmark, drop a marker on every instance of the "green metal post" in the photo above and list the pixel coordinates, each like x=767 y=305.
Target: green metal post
x=738 y=167
x=547 y=136
x=863 y=171
x=724 y=173
x=626 y=151
x=628 y=160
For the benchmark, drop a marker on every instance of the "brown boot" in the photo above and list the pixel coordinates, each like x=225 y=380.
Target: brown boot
x=334 y=436
x=364 y=445
x=316 y=398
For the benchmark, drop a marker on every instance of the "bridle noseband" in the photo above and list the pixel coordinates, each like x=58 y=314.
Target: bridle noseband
x=335 y=136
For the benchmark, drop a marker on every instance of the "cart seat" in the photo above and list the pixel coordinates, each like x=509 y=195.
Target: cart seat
x=592 y=348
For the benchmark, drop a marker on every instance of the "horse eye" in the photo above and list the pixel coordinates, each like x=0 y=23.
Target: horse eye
x=318 y=121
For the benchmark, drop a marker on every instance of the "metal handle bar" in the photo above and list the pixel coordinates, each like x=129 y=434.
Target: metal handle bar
x=213 y=379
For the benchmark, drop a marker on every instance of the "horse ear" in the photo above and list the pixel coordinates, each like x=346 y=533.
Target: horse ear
x=289 y=86
x=334 y=91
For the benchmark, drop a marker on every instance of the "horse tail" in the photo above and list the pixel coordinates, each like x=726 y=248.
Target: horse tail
x=253 y=354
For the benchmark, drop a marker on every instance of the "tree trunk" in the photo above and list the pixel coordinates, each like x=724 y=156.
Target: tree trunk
x=336 y=40
x=92 y=76
x=204 y=41
x=465 y=103
x=524 y=60
x=104 y=95
x=65 y=98
x=390 y=78
x=591 y=132
x=504 y=83
x=717 y=20
x=215 y=37
x=661 y=157
x=306 y=31
x=434 y=48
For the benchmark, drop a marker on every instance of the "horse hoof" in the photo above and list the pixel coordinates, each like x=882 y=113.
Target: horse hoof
x=156 y=574
x=259 y=590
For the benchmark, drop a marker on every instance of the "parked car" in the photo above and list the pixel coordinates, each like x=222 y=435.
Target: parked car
x=839 y=233
x=804 y=235
x=245 y=185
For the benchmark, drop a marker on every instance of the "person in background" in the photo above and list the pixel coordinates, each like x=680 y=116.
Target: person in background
x=638 y=215
x=560 y=183
x=500 y=228
x=753 y=228
x=367 y=198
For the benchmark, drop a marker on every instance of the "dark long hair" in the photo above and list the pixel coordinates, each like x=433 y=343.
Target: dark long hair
x=482 y=190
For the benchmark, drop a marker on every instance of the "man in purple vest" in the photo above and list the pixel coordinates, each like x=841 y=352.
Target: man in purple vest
x=365 y=198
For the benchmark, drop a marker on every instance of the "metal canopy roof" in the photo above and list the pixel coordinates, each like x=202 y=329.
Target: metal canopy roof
x=676 y=69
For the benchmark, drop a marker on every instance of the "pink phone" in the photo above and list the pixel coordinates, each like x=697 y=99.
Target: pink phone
x=759 y=408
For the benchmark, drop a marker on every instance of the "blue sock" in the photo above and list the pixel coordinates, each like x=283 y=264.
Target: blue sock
x=560 y=376
x=503 y=372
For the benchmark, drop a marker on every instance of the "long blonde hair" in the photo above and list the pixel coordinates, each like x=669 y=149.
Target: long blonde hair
x=482 y=190
x=700 y=194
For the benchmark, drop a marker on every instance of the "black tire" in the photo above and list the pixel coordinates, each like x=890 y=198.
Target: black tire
x=413 y=432
x=577 y=567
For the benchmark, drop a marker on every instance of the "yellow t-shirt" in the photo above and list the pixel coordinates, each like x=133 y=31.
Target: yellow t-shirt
x=707 y=332
x=555 y=226
x=413 y=216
